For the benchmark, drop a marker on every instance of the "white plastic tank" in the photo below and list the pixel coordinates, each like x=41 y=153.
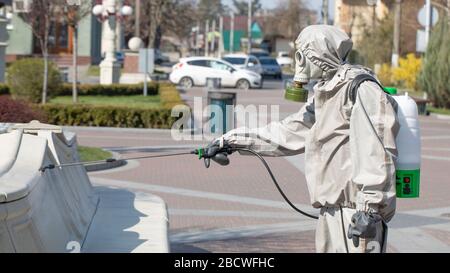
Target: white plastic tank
x=409 y=148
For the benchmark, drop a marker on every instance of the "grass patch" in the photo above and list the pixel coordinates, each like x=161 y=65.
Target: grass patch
x=93 y=154
x=94 y=71
x=142 y=102
x=441 y=111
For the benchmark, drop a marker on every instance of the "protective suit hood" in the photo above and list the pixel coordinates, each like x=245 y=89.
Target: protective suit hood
x=326 y=46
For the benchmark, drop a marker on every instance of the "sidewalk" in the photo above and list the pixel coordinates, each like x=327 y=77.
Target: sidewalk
x=126 y=222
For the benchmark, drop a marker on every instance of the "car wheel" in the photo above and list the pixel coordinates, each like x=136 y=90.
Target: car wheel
x=186 y=82
x=243 y=84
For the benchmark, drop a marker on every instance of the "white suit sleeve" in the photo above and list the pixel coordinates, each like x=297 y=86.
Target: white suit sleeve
x=373 y=129
x=278 y=138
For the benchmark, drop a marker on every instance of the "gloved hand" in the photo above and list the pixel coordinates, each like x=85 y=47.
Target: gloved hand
x=218 y=151
x=364 y=225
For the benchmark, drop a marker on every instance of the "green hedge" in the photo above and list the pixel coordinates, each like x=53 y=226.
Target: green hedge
x=4 y=89
x=114 y=116
x=107 y=90
x=97 y=90
x=108 y=116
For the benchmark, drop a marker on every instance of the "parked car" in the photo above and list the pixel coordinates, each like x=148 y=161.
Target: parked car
x=284 y=59
x=244 y=61
x=259 y=53
x=271 y=68
x=160 y=57
x=194 y=71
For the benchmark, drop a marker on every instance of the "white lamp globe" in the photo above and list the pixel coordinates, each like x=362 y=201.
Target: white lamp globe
x=135 y=43
x=127 y=10
x=9 y=15
x=98 y=10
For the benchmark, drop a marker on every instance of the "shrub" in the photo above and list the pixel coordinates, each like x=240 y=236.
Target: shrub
x=15 y=111
x=108 y=90
x=434 y=78
x=4 y=89
x=169 y=95
x=25 y=79
x=407 y=72
x=108 y=116
x=385 y=75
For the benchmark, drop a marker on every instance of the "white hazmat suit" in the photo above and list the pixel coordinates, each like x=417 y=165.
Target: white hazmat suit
x=349 y=167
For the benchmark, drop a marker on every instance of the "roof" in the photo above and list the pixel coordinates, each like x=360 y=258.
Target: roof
x=241 y=22
x=237 y=55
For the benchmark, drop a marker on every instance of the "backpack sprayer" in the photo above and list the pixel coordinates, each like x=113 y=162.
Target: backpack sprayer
x=215 y=153
x=408 y=161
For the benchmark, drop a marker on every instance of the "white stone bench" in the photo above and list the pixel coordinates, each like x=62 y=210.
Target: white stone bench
x=59 y=210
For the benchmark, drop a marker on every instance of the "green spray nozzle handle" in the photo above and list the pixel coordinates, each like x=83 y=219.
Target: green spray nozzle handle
x=216 y=153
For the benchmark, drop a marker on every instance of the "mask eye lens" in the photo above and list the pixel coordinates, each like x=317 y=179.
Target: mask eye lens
x=300 y=58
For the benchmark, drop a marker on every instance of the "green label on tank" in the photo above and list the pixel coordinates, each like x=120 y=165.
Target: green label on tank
x=408 y=183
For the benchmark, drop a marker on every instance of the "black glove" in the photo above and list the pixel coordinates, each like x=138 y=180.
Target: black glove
x=217 y=152
x=364 y=225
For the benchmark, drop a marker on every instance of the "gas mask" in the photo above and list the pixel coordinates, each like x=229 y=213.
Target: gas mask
x=305 y=71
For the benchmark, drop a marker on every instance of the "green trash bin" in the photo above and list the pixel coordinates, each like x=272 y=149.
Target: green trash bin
x=221 y=111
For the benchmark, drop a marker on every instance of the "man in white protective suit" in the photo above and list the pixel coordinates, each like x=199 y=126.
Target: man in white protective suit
x=349 y=145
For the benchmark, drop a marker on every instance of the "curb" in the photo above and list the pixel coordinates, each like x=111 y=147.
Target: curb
x=107 y=166
x=440 y=116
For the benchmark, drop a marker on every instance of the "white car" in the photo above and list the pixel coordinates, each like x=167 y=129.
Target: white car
x=284 y=59
x=244 y=61
x=194 y=71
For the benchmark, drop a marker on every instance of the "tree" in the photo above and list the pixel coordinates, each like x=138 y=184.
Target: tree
x=288 y=19
x=209 y=9
x=150 y=23
x=178 y=19
x=174 y=16
x=376 y=42
x=157 y=8
x=242 y=6
x=39 y=18
x=435 y=74
x=72 y=15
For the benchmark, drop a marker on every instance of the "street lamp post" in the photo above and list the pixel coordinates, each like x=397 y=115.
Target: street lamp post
x=108 y=13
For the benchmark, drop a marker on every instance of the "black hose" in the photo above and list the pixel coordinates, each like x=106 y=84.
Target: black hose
x=276 y=182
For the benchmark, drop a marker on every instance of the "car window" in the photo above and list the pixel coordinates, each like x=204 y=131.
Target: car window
x=235 y=60
x=202 y=63
x=268 y=61
x=220 y=66
x=259 y=54
x=254 y=61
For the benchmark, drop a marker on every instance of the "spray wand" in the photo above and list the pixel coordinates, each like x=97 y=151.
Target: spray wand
x=215 y=153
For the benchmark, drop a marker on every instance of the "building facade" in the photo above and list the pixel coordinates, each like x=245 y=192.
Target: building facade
x=22 y=42
x=3 y=36
x=354 y=16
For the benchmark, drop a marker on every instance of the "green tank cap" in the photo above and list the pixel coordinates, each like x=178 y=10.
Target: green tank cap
x=391 y=90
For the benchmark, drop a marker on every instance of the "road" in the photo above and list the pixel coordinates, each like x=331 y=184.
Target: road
x=237 y=208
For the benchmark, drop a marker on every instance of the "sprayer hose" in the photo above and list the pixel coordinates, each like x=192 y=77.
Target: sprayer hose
x=276 y=182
